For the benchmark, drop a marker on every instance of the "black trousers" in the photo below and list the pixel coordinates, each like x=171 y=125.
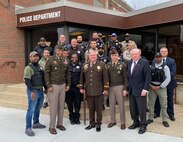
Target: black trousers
x=73 y=100
x=95 y=103
x=138 y=106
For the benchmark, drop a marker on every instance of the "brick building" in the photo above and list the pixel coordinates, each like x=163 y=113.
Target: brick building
x=12 y=43
x=150 y=28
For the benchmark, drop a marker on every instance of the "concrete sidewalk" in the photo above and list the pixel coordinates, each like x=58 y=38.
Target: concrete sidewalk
x=12 y=128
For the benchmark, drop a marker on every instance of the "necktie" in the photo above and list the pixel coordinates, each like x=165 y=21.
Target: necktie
x=113 y=65
x=134 y=66
x=164 y=61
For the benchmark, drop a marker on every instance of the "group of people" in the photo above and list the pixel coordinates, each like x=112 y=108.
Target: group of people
x=114 y=69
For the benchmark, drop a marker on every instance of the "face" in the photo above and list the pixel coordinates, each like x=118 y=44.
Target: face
x=74 y=58
x=158 y=59
x=65 y=54
x=34 y=59
x=95 y=35
x=131 y=46
x=113 y=38
x=62 y=38
x=92 y=56
x=79 y=39
x=42 y=42
x=135 y=54
x=127 y=38
x=59 y=52
x=93 y=44
x=164 y=52
x=74 y=43
x=114 y=57
x=46 y=54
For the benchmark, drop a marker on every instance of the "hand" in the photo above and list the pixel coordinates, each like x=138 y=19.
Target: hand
x=33 y=95
x=106 y=92
x=82 y=91
x=157 y=87
x=143 y=93
x=67 y=88
x=50 y=90
x=125 y=93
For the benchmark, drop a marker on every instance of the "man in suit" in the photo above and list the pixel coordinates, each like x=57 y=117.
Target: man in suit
x=171 y=86
x=58 y=80
x=139 y=76
x=95 y=82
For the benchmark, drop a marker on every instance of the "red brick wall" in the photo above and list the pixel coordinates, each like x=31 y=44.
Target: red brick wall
x=12 y=40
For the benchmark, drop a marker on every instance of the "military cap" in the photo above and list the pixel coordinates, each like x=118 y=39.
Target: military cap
x=33 y=53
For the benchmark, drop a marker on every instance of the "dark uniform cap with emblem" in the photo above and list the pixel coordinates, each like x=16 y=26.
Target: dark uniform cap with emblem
x=113 y=51
x=158 y=54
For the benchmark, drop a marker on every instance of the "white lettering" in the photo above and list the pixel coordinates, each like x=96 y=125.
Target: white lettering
x=25 y=19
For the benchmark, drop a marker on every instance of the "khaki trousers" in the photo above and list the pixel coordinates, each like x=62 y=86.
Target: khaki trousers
x=116 y=95
x=56 y=103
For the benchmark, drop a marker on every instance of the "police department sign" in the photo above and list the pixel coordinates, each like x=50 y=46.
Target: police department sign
x=37 y=17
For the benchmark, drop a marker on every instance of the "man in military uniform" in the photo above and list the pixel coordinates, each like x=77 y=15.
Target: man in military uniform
x=34 y=80
x=94 y=81
x=117 y=83
x=57 y=77
x=73 y=96
x=113 y=42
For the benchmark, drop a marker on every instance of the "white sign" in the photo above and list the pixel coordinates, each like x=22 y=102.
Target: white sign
x=37 y=17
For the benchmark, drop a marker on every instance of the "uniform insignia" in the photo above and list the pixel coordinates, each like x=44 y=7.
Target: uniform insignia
x=55 y=68
x=98 y=67
x=79 y=52
x=55 y=62
x=77 y=67
x=118 y=72
x=86 y=66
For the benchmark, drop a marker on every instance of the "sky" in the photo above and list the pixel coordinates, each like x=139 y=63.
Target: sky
x=138 y=4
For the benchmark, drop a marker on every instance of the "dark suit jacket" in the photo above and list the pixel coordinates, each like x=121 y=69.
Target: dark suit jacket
x=172 y=66
x=141 y=77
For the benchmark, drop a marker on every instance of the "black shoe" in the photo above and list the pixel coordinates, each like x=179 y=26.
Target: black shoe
x=98 y=128
x=165 y=123
x=172 y=118
x=142 y=130
x=77 y=122
x=134 y=125
x=90 y=127
x=45 y=105
x=72 y=122
x=156 y=115
x=149 y=121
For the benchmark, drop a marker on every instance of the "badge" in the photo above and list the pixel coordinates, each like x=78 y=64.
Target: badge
x=86 y=66
x=79 y=52
x=55 y=68
x=77 y=67
x=98 y=67
x=118 y=72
